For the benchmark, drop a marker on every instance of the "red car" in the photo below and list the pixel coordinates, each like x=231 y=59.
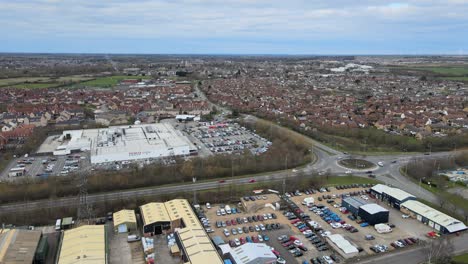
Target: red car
x=251 y=181
x=242 y=240
x=233 y=222
x=295 y=221
x=276 y=253
x=222 y=181
x=286 y=244
x=255 y=239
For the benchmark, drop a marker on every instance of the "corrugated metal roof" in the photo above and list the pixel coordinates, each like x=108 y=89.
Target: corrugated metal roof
x=343 y=244
x=83 y=245
x=181 y=209
x=356 y=202
x=154 y=212
x=194 y=239
x=18 y=246
x=373 y=208
x=198 y=246
x=394 y=192
x=124 y=216
x=452 y=224
x=252 y=251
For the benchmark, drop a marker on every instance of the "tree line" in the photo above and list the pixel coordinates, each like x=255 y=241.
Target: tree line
x=371 y=138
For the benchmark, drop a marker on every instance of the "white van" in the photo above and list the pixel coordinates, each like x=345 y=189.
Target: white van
x=58 y=224
x=133 y=238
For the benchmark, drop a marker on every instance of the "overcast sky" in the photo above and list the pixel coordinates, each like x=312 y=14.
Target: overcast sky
x=235 y=26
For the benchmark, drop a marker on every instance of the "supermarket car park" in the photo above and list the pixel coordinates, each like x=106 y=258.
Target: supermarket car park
x=226 y=137
x=47 y=165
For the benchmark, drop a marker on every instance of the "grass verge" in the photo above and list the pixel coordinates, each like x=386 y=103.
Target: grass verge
x=461 y=259
x=344 y=180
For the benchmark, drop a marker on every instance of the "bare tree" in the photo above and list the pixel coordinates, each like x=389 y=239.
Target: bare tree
x=439 y=251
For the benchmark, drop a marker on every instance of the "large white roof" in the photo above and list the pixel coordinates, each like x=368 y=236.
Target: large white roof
x=130 y=142
x=452 y=224
x=343 y=244
x=251 y=251
x=394 y=192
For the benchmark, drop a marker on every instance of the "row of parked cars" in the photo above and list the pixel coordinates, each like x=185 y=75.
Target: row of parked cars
x=293 y=244
x=248 y=239
x=245 y=220
x=246 y=229
x=323 y=260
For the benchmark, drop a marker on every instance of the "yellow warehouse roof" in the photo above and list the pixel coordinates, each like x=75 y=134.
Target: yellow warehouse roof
x=84 y=245
x=198 y=247
x=18 y=246
x=154 y=212
x=124 y=216
x=181 y=209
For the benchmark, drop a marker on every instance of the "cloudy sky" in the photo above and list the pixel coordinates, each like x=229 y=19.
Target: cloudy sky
x=235 y=26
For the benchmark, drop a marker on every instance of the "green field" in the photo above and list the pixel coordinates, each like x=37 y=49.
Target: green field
x=461 y=258
x=445 y=70
x=452 y=73
x=41 y=82
x=34 y=85
x=110 y=81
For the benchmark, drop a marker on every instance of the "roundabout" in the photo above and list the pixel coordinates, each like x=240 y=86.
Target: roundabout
x=356 y=164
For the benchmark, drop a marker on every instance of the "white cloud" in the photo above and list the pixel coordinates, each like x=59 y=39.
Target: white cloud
x=296 y=19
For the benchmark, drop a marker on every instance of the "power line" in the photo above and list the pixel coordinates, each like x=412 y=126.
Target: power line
x=85 y=210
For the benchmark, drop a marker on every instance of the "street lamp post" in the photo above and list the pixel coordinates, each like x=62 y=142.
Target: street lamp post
x=194 y=179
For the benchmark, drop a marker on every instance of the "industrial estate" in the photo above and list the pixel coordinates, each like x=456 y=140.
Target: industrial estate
x=233 y=158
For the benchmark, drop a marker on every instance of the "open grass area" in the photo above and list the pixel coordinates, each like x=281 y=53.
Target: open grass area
x=41 y=82
x=453 y=73
x=461 y=258
x=463 y=79
x=444 y=70
x=110 y=81
x=35 y=85
x=344 y=180
x=11 y=81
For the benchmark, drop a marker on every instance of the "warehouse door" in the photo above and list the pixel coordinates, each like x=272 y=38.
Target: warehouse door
x=431 y=224
x=419 y=218
x=437 y=227
x=123 y=228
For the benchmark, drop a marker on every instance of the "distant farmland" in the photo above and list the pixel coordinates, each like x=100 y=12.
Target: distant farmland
x=453 y=73
x=106 y=82
x=41 y=82
x=72 y=81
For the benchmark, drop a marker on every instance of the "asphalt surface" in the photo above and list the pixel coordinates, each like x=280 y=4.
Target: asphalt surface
x=416 y=254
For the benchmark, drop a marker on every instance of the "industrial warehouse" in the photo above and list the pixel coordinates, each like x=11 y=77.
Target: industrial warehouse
x=370 y=212
x=177 y=216
x=393 y=196
x=432 y=217
x=126 y=143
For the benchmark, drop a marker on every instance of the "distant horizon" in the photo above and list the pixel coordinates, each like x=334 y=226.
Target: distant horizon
x=234 y=54
x=236 y=27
